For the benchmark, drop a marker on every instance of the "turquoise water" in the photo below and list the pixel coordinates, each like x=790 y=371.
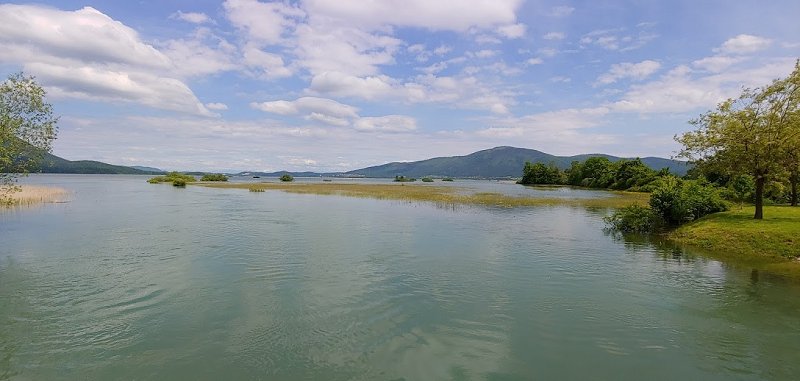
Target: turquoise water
x=130 y=280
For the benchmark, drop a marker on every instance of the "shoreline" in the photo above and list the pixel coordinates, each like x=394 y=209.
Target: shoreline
x=771 y=244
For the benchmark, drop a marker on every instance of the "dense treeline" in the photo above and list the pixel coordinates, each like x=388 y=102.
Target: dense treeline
x=595 y=172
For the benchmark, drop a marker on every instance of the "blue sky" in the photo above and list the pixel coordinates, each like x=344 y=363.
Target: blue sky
x=329 y=85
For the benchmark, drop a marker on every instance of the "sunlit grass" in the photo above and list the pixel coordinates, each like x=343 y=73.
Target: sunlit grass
x=771 y=244
x=439 y=195
x=31 y=194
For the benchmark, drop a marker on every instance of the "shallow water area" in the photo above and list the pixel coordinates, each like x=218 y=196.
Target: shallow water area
x=130 y=280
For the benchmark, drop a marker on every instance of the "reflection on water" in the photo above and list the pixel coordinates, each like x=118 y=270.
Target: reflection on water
x=137 y=281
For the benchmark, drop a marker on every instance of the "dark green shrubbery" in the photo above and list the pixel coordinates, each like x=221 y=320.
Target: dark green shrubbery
x=427 y=180
x=403 y=179
x=171 y=177
x=287 y=177
x=214 y=177
x=634 y=219
x=678 y=201
x=447 y=179
x=181 y=183
x=672 y=202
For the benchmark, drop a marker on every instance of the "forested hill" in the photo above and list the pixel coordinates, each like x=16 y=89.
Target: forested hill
x=498 y=162
x=55 y=164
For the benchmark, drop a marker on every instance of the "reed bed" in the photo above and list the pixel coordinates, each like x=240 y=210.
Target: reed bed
x=438 y=195
x=31 y=194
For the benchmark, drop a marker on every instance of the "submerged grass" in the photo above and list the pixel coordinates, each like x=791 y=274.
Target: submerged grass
x=31 y=194
x=438 y=195
x=771 y=244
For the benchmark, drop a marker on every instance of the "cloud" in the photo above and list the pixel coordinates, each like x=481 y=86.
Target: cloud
x=449 y=15
x=534 y=61
x=216 y=106
x=554 y=36
x=486 y=53
x=616 y=39
x=202 y=54
x=326 y=48
x=92 y=56
x=192 y=17
x=716 y=64
x=681 y=90
x=561 y=11
x=636 y=71
x=323 y=107
x=85 y=35
x=512 y=31
x=388 y=123
x=105 y=85
x=744 y=44
x=263 y=23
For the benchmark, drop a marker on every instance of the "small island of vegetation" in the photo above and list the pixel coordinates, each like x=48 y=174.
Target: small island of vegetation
x=176 y=178
x=427 y=180
x=287 y=178
x=403 y=179
x=214 y=177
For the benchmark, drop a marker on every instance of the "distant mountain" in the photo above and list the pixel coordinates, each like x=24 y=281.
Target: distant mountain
x=498 y=162
x=147 y=169
x=54 y=164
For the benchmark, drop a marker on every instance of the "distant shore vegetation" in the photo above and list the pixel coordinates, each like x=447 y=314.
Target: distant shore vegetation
x=287 y=178
x=214 y=177
x=176 y=178
x=403 y=179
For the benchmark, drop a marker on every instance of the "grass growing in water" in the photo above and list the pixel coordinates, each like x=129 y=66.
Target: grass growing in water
x=29 y=195
x=437 y=194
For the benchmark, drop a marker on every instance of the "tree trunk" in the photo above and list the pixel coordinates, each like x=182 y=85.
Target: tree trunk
x=759 y=198
x=793 y=179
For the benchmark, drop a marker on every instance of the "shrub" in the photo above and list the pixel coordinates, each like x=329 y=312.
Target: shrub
x=179 y=183
x=634 y=219
x=447 y=179
x=256 y=189
x=171 y=177
x=403 y=179
x=678 y=201
x=214 y=177
x=287 y=177
x=427 y=180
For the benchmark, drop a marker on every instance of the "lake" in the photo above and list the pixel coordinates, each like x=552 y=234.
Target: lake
x=130 y=280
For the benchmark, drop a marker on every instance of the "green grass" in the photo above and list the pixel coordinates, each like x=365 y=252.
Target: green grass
x=771 y=244
x=438 y=194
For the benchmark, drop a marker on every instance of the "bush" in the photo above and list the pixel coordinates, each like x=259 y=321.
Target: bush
x=179 y=183
x=287 y=177
x=427 y=180
x=171 y=177
x=403 y=179
x=634 y=219
x=677 y=201
x=447 y=179
x=214 y=177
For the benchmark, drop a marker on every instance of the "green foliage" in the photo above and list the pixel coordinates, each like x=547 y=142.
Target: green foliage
x=258 y=190
x=181 y=183
x=27 y=129
x=171 y=177
x=754 y=134
x=287 y=178
x=634 y=219
x=214 y=177
x=678 y=201
x=447 y=179
x=427 y=180
x=538 y=173
x=403 y=179
x=575 y=173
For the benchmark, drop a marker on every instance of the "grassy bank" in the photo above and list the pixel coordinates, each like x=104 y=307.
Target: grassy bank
x=30 y=194
x=439 y=195
x=771 y=244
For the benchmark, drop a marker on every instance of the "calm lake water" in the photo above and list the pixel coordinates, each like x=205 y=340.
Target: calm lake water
x=133 y=281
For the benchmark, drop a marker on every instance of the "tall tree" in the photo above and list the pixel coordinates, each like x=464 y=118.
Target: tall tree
x=27 y=129
x=749 y=134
